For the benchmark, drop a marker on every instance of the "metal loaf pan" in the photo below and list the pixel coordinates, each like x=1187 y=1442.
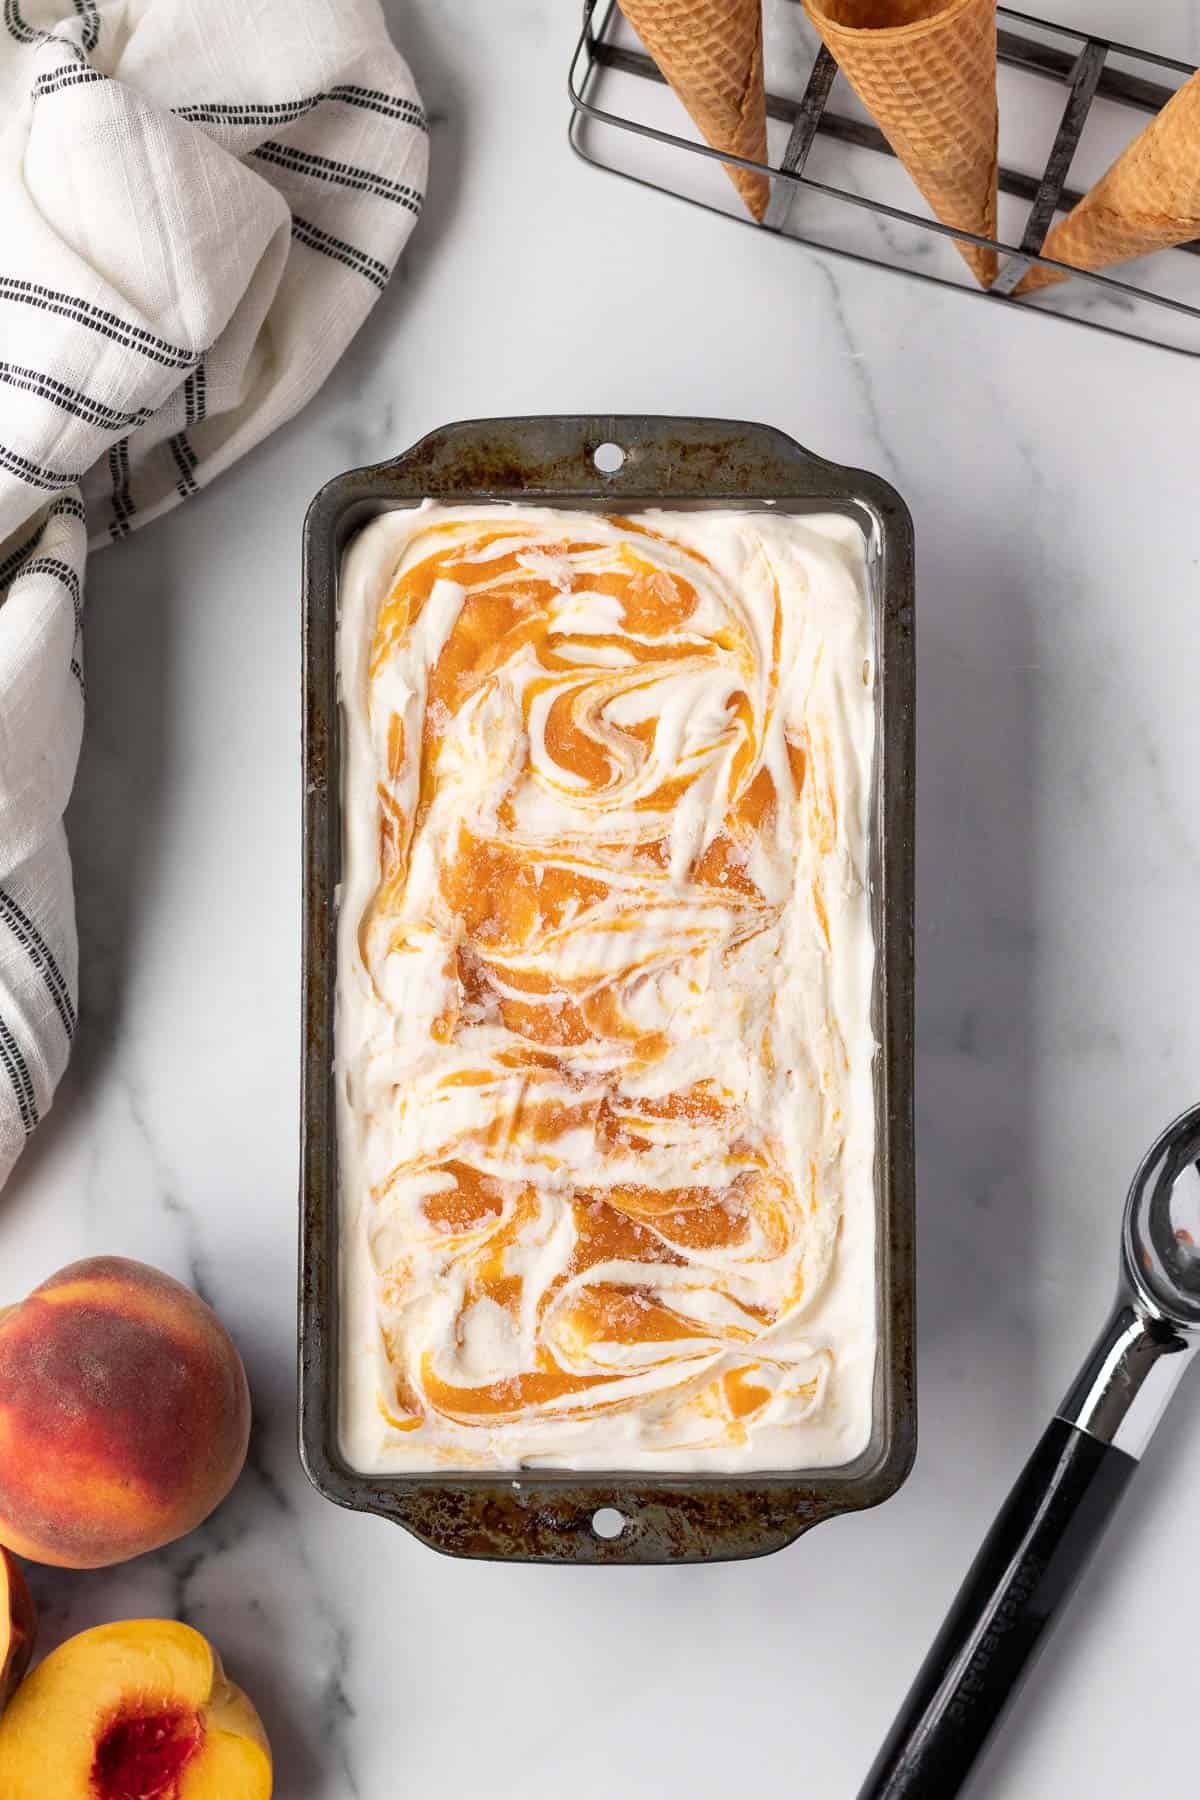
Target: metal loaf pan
x=547 y=1515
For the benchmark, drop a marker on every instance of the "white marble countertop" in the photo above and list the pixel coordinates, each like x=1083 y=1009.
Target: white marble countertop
x=1052 y=475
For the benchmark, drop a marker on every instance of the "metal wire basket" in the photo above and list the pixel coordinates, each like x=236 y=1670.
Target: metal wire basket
x=1036 y=50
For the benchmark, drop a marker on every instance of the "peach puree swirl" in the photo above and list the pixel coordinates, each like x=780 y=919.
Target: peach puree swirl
x=604 y=1050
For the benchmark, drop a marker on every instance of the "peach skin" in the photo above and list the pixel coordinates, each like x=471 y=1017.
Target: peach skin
x=124 y=1415
x=142 y=1709
x=18 y=1627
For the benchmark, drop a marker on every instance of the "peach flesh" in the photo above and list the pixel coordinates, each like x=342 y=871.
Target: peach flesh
x=138 y=1710
x=142 y=1756
x=18 y=1627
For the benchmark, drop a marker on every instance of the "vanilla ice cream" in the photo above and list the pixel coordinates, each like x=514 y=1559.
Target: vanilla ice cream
x=604 y=1052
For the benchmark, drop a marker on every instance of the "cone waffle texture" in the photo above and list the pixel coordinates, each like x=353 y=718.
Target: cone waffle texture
x=711 y=52
x=1149 y=199
x=926 y=71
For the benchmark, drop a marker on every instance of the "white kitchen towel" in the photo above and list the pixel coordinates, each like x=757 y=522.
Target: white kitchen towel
x=200 y=202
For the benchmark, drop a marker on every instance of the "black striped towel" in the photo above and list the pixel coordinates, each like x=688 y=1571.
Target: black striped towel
x=200 y=203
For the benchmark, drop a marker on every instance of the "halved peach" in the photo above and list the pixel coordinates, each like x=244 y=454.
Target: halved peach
x=18 y=1627
x=124 y=1414
x=136 y=1711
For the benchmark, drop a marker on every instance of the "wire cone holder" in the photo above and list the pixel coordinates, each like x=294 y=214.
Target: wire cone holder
x=1082 y=68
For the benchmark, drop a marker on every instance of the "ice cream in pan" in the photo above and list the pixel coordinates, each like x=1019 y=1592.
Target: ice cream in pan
x=604 y=1051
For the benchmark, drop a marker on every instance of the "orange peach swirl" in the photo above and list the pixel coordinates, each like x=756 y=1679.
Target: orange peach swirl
x=604 y=975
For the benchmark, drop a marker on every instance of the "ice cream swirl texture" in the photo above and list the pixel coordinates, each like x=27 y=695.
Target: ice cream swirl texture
x=604 y=975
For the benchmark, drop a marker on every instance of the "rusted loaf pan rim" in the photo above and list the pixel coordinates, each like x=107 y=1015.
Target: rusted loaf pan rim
x=547 y=1516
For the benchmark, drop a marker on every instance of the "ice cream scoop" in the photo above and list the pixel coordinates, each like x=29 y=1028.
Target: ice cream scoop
x=1067 y=1493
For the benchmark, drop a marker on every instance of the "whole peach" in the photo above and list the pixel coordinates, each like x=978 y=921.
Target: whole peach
x=124 y=1414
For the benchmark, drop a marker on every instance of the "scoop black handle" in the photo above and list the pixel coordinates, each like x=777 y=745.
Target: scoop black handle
x=1028 y=1566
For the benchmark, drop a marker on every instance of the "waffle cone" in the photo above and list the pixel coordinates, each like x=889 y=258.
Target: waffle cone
x=926 y=71
x=1148 y=200
x=711 y=53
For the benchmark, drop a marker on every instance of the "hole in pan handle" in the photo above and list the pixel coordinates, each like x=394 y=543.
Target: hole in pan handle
x=608 y=458
x=608 y=1522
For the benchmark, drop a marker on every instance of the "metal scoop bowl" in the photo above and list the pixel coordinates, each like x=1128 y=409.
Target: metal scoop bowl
x=1064 y=1498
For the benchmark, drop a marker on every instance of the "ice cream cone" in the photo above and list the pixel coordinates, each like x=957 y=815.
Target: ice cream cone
x=926 y=71
x=1148 y=200
x=711 y=53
